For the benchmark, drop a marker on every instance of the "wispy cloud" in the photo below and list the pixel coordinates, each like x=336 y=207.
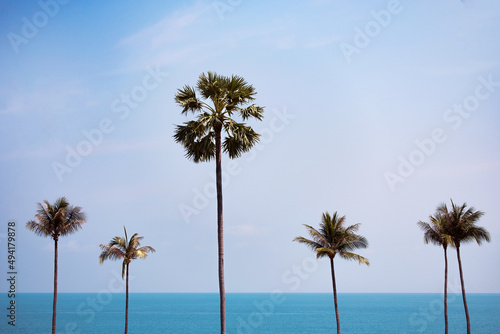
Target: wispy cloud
x=285 y=42
x=461 y=170
x=191 y=36
x=470 y=68
x=244 y=230
x=13 y=105
x=44 y=152
x=118 y=146
x=160 y=43
x=62 y=97
x=72 y=246
x=170 y=29
x=317 y=42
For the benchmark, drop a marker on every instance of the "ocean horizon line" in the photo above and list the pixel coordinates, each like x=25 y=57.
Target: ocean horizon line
x=271 y=292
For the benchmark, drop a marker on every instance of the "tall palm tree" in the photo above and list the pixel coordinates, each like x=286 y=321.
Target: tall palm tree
x=461 y=227
x=202 y=137
x=435 y=233
x=128 y=250
x=56 y=220
x=334 y=238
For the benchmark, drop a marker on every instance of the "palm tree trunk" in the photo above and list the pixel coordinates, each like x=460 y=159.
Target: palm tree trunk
x=445 y=292
x=126 y=301
x=335 y=296
x=463 y=289
x=220 y=230
x=54 y=303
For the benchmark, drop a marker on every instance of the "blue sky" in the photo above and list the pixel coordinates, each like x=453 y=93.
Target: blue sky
x=379 y=110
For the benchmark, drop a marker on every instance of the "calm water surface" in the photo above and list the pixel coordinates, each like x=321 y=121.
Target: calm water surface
x=252 y=313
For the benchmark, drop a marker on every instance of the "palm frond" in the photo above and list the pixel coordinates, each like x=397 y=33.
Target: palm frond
x=186 y=98
x=110 y=253
x=38 y=229
x=73 y=221
x=309 y=243
x=477 y=234
x=325 y=252
x=124 y=266
x=142 y=252
x=354 y=241
x=252 y=111
x=241 y=139
x=317 y=235
x=198 y=141
x=354 y=257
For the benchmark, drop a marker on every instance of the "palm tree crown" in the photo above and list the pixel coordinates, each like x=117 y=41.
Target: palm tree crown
x=334 y=238
x=228 y=95
x=461 y=224
x=123 y=248
x=55 y=220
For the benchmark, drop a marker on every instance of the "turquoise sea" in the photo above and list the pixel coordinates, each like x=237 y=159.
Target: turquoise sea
x=251 y=313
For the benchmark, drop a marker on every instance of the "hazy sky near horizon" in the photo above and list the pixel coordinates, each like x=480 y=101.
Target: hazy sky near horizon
x=379 y=110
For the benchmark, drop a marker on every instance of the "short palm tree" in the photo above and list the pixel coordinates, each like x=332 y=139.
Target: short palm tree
x=332 y=239
x=220 y=98
x=56 y=220
x=128 y=250
x=435 y=233
x=461 y=227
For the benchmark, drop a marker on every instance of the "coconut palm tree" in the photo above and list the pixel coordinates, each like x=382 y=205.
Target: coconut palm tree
x=219 y=98
x=56 y=220
x=128 y=250
x=461 y=227
x=332 y=239
x=435 y=233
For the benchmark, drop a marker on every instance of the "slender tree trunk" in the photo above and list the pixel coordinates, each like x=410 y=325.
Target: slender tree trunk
x=54 y=303
x=463 y=289
x=445 y=292
x=220 y=231
x=335 y=296
x=126 y=301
